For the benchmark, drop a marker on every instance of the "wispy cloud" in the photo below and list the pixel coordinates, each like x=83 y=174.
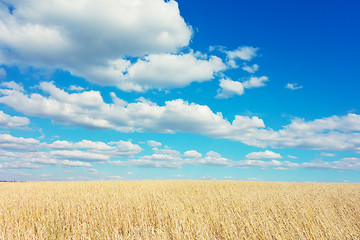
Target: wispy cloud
x=250 y=69
x=2 y=73
x=293 y=86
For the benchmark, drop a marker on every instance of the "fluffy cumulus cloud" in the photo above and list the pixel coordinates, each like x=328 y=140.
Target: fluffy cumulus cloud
x=88 y=109
x=7 y=121
x=192 y=154
x=51 y=34
x=243 y=53
x=229 y=88
x=157 y=71
x=263 y=155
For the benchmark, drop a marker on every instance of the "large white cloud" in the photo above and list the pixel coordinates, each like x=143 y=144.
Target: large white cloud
x=88 y=109
x=91 y=38
x=64 y=32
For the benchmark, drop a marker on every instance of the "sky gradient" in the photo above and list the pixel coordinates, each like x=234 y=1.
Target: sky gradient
x=127 y=90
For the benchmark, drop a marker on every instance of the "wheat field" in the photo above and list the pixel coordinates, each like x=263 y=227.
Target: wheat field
x=179 y=210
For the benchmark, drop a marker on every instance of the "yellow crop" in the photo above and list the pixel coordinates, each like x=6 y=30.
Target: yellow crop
x=179 y=210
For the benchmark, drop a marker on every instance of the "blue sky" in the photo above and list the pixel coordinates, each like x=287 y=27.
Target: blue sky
x=126 y=90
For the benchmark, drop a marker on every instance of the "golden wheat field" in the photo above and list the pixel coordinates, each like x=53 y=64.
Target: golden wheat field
x=179 y=210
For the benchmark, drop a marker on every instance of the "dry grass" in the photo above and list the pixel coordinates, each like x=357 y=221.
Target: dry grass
x=179 y=210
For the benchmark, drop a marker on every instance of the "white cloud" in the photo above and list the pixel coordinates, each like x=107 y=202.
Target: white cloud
x=153 y=143
x=257 y=163
x=293 y=86
x=7 y=121
x=192 y=154
x=250 y=69
x=79 y=155
x=243 y=53
x=173 y=159
x=232 y=63
x=75 y=163
x=229 y=88
x=76 y=88
x=87 y=109
x=84 y=144
x=2 y=73
x=13 y=155
x=158 y=71
x=263 y=155
x=115 y=178
x=12 y=85
x=29 y=152
x=115 y=149
x=292 y=157
x=326 y=154
x=124 y=149
x=342 y=164
x=10 y=142
x=255 y=82
x=51 y=34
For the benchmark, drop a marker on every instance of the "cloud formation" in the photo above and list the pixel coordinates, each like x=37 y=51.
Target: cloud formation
x=250 y=69
x=229 y=88
x=22 y=153
x=243 y=53
x=263 y=155
x=51 y=34
x=88 y=109
x=156 y=71
x=18 y=152
x=7 y=121
x=293 y=86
